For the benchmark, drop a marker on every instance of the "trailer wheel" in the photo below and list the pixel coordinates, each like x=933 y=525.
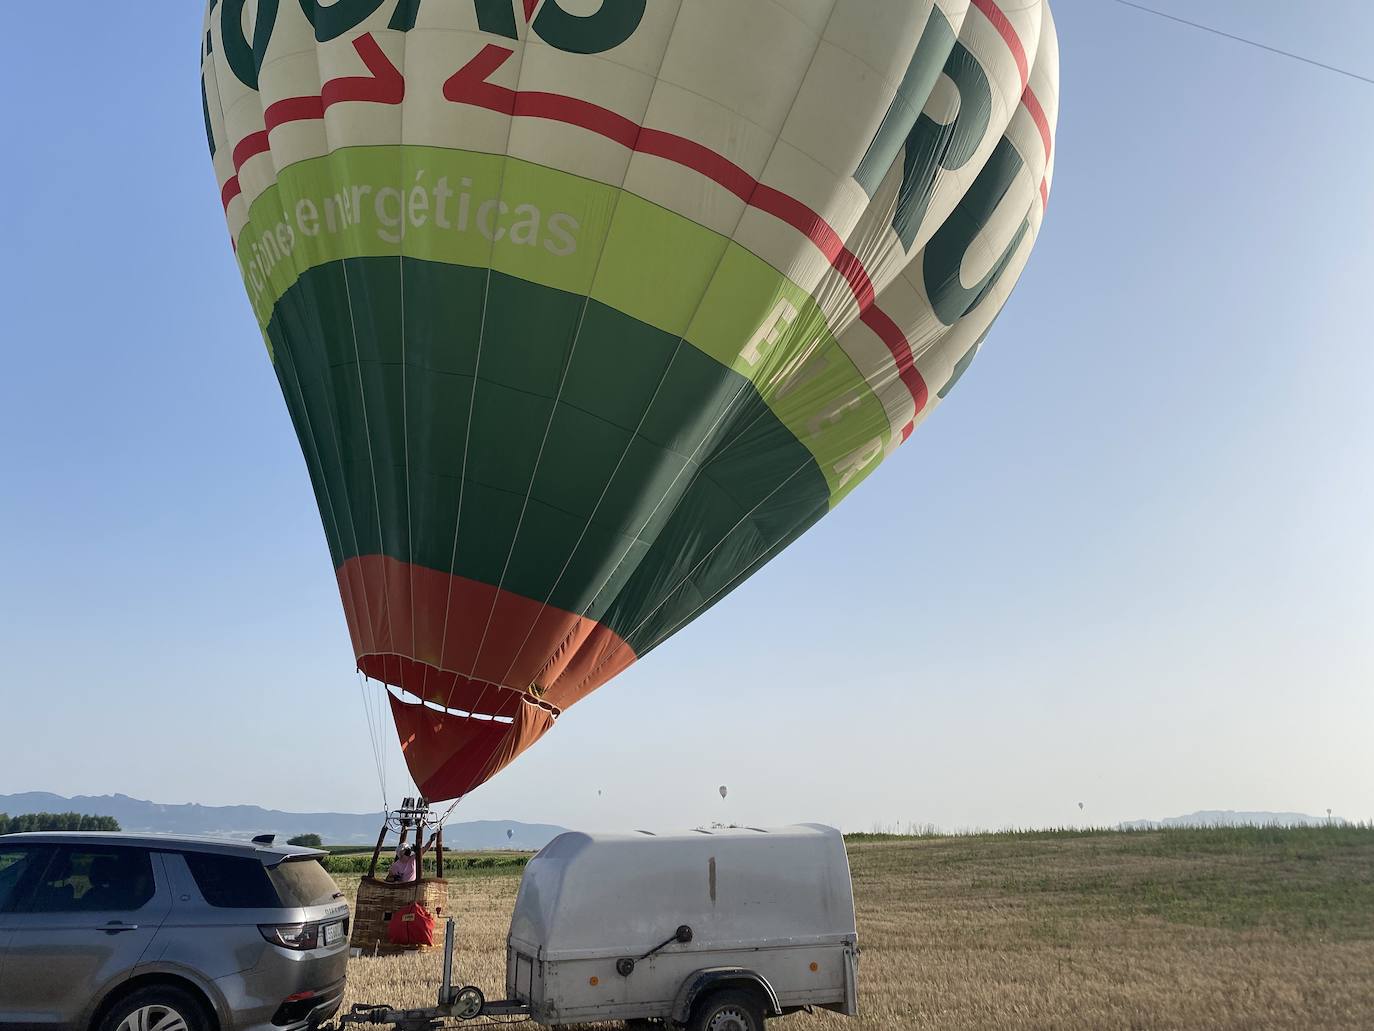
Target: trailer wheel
x=727 y=1010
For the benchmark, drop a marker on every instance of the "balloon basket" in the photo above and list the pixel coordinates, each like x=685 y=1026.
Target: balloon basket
x=378 y=900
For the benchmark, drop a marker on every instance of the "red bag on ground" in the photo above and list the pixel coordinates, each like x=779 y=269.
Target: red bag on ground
x=411 y=925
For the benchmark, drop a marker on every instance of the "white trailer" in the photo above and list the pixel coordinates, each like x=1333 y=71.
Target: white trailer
x=712 y=930
x=625 y=926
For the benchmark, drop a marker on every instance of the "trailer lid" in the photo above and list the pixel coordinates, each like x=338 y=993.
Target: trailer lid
x=589 y=895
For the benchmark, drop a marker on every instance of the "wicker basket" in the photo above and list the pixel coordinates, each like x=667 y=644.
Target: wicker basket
x=377 y=900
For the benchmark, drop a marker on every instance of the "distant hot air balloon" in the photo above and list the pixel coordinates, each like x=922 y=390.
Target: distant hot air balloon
x=723 y=791
x=509 y=834
x=584 y=311
x=1080 y=807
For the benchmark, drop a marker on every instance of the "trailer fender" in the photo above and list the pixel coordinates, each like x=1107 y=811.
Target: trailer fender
x=698 y=983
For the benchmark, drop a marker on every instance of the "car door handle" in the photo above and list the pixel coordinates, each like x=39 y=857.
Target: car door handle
x=115 y=927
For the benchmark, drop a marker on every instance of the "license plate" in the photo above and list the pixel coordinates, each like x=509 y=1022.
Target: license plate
x=332 y=933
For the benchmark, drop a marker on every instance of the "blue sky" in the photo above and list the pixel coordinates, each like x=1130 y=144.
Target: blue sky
x=1143 y=577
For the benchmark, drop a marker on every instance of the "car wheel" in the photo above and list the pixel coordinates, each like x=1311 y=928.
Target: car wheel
x=157 y=1008
x=727 y=1011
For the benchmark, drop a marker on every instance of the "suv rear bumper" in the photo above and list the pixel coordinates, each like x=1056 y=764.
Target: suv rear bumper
x=310 y=1009
x=285 y=992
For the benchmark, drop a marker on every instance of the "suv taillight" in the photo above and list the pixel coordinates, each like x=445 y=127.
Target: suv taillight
x=300 y=937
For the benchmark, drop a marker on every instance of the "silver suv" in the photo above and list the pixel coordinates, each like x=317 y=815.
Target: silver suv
x=116 y=932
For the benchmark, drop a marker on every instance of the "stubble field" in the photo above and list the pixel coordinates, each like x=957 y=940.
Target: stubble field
x=1208 y=929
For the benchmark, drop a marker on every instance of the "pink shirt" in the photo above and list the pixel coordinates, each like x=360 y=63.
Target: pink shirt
x=403 y=869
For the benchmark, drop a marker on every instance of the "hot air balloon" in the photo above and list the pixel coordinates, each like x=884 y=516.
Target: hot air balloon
x=509 y=834
x=723 y=791
x=584 y=312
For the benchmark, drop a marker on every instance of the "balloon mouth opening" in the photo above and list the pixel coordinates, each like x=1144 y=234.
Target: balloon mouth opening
x=413 y=682
x=450 y=749
x=406 y=698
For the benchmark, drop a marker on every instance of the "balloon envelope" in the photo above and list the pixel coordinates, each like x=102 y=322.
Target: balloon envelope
x=584 y=312
x=723 y=791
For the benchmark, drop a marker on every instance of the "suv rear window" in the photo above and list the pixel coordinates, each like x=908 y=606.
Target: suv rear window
x=303 y=882
x=232 y=882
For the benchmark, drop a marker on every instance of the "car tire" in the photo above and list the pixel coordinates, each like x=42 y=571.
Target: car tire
x=727 y=1010
x=157 y=1008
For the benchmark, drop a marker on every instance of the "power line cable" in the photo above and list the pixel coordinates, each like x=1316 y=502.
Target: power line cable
x=1249 y=42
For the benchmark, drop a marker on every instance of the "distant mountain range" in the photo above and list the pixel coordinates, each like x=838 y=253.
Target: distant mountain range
x=1227 y=818
x=244 y=821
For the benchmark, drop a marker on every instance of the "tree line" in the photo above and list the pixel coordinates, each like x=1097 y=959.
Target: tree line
x=55 y=822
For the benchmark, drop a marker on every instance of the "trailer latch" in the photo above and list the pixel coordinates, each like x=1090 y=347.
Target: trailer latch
x=626 y=966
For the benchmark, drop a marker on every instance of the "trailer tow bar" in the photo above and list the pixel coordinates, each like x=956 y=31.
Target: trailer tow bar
x=465 y=1003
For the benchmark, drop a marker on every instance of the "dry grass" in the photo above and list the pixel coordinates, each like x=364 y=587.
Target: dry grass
x=482 y=903
x=1197 y=929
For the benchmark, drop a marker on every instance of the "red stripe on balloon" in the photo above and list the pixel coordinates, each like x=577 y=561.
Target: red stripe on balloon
x=1004 y=28
x=293 y=109
x=1037 y=113
x=231 y=190
x=384 y=85
x=1029 y=100
x=251 y=146
x=690 y=154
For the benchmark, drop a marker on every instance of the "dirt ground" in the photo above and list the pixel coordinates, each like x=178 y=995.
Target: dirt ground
x=1176 y=929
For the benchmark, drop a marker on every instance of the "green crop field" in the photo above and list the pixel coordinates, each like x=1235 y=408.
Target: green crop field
x=344 y=864
x=1209 y=929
